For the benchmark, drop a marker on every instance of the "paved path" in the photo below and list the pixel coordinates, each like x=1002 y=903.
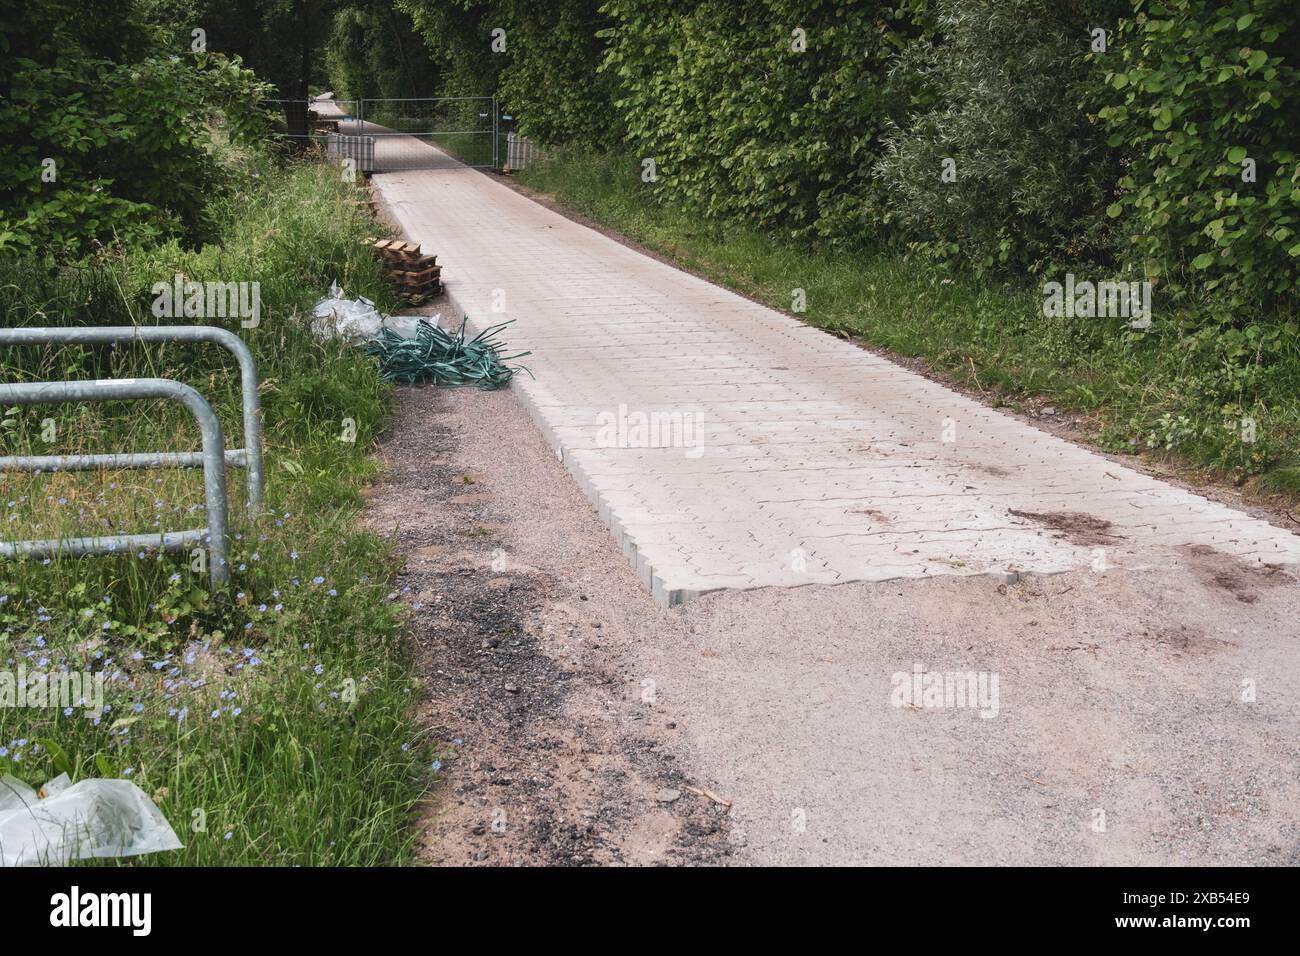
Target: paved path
x=727 y=445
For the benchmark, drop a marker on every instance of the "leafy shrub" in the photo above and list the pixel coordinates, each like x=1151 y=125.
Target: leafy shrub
x=1028 y=176
x=456 y=36
x=1197 y=92
x=551 y=83
x=742 y=124
x=280 y=40
x=107 y=139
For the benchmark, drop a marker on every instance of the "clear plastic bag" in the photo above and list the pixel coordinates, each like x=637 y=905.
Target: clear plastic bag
x=90 y=818
x=356 y=321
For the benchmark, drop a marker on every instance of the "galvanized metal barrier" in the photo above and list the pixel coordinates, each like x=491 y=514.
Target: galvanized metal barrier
x=212 y=457
x=359 y=149
x=248 y=457
x=521 y=152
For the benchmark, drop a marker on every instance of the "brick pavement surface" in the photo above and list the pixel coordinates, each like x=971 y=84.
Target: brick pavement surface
x=727 y=445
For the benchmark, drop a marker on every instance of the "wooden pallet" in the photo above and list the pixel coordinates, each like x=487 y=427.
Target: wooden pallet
x=414 y=275
x=398 y=250
x=421 y=295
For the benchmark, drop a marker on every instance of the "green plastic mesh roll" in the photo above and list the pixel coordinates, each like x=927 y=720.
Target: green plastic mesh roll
x=444 y=358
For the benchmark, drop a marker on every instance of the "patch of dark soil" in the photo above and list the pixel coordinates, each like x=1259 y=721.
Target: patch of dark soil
x=1081 y=528
x=543 y=762
x=1217 y=569
x=1186 y=640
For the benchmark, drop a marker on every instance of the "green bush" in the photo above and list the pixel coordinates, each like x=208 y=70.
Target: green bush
x=107 y=139
x=551 y=83
x=1197 y=91
x=1027 y=176
x=546 y=75
x=280 y=40
x=743 y=124
x=456 y=36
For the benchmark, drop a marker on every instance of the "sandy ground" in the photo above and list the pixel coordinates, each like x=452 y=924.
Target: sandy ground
x=547 y=758
x=1139 y=717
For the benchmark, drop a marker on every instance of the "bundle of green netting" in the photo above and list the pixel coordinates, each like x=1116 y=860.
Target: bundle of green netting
x=443 y=358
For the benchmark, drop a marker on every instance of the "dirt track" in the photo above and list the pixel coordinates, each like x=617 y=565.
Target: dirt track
x=547 y=759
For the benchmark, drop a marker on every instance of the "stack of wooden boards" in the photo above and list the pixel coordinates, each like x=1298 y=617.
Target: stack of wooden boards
x=416 y=277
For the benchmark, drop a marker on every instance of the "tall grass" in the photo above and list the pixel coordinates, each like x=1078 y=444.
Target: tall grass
x=1187 y=386
x=273 y=725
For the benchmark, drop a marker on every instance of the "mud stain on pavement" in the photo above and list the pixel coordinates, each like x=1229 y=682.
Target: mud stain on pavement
x=1223 y=572
x=1082 y=529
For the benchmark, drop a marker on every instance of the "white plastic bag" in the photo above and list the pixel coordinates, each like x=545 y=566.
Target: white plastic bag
x=356 y=321
x=91 y=818
x=353 y=320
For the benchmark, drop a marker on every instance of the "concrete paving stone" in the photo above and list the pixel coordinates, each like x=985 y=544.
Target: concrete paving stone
x=800 y=440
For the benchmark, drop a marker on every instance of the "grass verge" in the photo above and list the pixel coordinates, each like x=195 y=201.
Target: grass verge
x=472 y=149
x=275 y=726
x=1220 y=392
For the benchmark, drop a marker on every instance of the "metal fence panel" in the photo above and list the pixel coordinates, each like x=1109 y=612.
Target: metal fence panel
x=436 y=132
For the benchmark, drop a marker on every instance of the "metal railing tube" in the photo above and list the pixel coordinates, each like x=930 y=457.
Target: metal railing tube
x=117 y=460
